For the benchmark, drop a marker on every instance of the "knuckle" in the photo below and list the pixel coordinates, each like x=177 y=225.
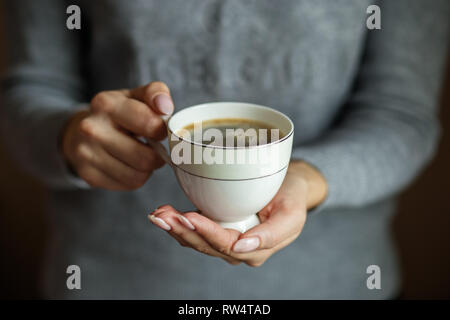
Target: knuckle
x=153 y=125
x=166 y=207
x=182 y=243
x=83 y=153
x=232 y=261
x=164 y=215
x=268 y=239
x=255 y=264
x=87 y=128
x=144 y=123
x=191 y=216
x=139 y=110
x=92 y=182
x=144 y=164
x=224 y=250
x=203 y=249
x=137 y=179
x=140 y=114
x=210 y=228
x=102 y=102
x=182 y=232
x=88 y=177
x=156 y=86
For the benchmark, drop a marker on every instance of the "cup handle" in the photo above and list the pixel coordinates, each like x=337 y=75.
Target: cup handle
x=158 y=146
x=160 y=150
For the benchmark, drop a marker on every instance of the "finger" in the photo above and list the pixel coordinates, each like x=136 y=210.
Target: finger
x=122 y=146
x=200 y=244
x=163 y=208
x=232 y=261
x=156 y=95
x=258 y=257
x=177 y=227
x=189 y=236
x=185 y=244
x=130 y=114
x=97 y=157
x=180 y=240
x=219 y=238
x=283 y=222
x=138 y=118
x=96 y=178
x=134 y=153
x=193 y=240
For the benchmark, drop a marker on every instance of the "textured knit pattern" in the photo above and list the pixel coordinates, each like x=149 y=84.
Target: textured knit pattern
x=363 y=104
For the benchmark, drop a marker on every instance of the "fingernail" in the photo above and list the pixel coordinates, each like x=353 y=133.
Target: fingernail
x=185 y=222
x=246 y=245
x=164 y=104
x=160 y=223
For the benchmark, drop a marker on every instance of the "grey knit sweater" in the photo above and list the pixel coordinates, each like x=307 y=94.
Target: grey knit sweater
x=363 y=103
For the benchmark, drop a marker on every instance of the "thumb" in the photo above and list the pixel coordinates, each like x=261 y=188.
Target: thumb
x=280 y=225
x=156 y=95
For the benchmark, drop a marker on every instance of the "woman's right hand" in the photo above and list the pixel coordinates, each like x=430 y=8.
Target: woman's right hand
x=100 y=143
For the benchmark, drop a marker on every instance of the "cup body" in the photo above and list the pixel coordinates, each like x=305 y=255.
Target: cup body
x=241 y=181
x=229 y=200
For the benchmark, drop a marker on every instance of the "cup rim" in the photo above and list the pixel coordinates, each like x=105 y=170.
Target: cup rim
x=204 y=105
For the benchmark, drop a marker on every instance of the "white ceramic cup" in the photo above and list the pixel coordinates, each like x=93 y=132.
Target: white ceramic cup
x=231 y=194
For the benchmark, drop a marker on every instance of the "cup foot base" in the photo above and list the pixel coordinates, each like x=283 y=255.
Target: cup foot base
x=242 y=225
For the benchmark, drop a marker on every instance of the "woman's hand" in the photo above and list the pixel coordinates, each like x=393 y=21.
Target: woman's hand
x=100 y=143
x=282 y=221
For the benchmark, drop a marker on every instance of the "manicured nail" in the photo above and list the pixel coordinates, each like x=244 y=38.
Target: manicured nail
x=246 y=245
x=185 y=222
x=160 y=222
x=164 y=104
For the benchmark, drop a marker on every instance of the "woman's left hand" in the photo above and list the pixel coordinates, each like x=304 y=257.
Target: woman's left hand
x=282 y=221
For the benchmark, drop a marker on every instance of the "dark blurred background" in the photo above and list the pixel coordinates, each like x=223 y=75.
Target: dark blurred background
x=421 y=227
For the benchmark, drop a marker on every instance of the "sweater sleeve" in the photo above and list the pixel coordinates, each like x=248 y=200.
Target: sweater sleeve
x=42 y=87
x=388 y=128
